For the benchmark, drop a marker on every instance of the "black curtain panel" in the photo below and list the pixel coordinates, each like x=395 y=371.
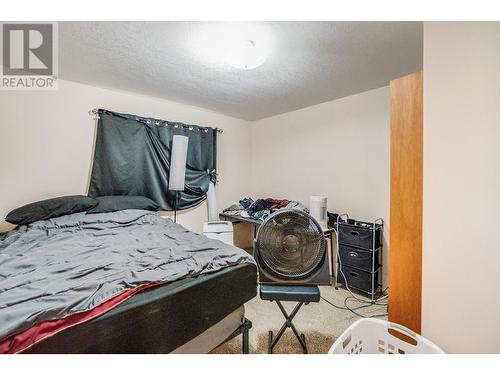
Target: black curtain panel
x=132 y=157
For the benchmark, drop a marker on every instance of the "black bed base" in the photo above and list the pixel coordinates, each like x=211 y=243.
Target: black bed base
x=160 y=319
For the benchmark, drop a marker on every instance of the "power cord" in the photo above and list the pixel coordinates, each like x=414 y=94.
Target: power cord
x=354 y=309
x=361 y=315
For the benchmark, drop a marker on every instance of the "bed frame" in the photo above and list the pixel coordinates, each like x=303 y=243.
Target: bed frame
x=244 y=331
x=165 y=318
x=220 y=333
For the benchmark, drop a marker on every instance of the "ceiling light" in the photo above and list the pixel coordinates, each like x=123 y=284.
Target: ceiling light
x=246 y=54
x=220 y=45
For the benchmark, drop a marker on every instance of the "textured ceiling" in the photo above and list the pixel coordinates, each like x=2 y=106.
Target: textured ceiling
x=308 y=62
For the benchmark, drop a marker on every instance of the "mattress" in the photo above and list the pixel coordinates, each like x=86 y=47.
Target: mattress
x=160 y=319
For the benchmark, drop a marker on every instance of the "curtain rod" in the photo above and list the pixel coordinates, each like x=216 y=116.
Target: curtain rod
x=95 y=115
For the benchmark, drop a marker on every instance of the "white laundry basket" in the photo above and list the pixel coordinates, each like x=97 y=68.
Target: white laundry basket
x=372 y=336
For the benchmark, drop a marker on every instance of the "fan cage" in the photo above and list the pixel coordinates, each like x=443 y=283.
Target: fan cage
x=291 y=245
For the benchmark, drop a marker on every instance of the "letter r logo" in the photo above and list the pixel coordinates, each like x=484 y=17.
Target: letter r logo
x=27 y=49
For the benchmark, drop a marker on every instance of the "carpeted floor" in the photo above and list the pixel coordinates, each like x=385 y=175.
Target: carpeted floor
x=320 y=322
x=317 y=343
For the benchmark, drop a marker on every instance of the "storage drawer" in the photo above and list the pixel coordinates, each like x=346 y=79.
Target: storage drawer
x=357 y=279
x=357 y=258
x=359 y=236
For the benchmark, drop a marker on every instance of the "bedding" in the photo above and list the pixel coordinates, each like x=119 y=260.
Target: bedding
x=49 y=208
x=61 y=272
x=113 y=203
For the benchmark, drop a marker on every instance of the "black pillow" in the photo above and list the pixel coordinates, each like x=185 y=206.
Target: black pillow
x=49 y=208
x=112 y=203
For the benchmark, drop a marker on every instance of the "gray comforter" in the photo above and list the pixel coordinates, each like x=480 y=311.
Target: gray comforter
x=62 y=266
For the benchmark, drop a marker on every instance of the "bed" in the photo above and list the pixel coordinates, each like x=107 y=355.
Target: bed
x=122 y=282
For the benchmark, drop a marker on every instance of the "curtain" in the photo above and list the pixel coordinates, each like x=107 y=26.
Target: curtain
x=132 y=157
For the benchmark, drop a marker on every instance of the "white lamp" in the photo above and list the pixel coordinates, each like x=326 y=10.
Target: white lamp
x=213 y=214
x=178 y=167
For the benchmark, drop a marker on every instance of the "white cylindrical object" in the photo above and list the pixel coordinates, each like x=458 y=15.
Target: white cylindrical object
x=178 y=163
x=317 y=209
x=213 y=215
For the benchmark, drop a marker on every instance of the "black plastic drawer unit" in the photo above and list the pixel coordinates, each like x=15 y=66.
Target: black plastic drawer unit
x=357 y=258
x=360 y=235
x=359 y=255
x=357 y=279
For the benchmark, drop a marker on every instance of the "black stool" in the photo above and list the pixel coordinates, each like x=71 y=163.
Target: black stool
x=278 y=293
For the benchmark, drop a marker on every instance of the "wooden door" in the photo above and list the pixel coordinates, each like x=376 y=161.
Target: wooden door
x=405 y=259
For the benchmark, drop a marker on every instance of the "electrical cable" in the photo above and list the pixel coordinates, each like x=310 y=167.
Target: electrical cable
x=343 y=308
x=361 y=315
x=354 y=309
x=334 y=305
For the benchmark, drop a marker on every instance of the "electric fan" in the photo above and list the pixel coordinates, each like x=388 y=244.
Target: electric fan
x=290 y=251
x=290 y=248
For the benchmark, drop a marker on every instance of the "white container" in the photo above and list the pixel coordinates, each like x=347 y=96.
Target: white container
x=372 y=336
x=213 y=214
x=317 y=209
x=219 y=230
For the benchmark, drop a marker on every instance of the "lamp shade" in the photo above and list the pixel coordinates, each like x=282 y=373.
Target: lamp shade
x=178 y=163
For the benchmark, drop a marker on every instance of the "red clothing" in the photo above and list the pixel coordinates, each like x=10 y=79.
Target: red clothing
x=275 y=204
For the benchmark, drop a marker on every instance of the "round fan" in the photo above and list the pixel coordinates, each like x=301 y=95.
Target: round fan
x=290 y=247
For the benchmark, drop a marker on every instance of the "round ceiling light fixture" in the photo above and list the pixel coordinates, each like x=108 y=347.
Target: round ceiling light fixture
x=246 y=54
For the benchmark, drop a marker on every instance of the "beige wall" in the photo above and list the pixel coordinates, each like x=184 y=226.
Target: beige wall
x=46 y=141
x=339 y=149
x=461 y=242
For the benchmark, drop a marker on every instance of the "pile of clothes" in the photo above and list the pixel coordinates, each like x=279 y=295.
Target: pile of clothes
x=261 y=208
